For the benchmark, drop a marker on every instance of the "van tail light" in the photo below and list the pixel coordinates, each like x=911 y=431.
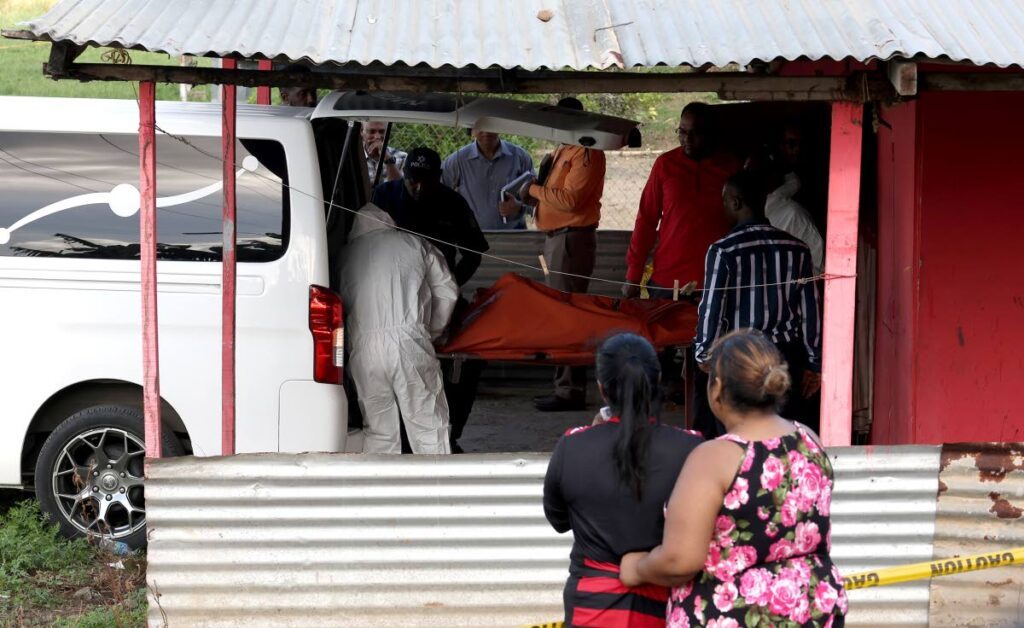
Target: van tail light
x=325 y=323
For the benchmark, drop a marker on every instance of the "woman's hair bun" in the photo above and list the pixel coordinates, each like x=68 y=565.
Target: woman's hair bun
x=753 y=372
x=776 y=381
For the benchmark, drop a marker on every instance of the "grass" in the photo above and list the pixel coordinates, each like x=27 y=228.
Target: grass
x=46 y=579
x=22 y=63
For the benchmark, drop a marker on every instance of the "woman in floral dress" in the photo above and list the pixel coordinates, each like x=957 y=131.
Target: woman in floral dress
x=747 y=531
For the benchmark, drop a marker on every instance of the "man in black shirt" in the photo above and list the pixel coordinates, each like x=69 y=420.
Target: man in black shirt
x=420 y=203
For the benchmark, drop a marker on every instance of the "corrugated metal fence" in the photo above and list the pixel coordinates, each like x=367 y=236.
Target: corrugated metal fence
x=525 y=246
x=335 y=539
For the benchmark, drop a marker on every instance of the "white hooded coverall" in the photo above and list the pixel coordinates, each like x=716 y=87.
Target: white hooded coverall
x=399 y=296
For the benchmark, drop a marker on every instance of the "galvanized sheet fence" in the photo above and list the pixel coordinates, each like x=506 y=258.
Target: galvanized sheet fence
x=335 y=539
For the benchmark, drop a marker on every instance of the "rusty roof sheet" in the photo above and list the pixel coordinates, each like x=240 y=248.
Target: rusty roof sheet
x=576 y=34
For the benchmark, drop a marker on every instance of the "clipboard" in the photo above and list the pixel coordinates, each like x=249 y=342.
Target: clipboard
x=512 y=188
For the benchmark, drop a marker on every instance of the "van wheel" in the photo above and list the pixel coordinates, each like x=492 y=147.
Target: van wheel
x=89 y=474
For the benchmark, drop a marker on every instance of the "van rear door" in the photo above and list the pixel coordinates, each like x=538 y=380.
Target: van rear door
x=497 y=115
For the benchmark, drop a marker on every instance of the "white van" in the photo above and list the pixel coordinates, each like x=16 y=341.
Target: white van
x=71 y=371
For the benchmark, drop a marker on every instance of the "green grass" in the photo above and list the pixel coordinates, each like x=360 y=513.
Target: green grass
x=41 y=571
x=35 y=560
x=130 y=613
x=22 y=63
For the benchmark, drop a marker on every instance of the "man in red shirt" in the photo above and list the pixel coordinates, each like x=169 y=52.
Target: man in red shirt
x=681 y=207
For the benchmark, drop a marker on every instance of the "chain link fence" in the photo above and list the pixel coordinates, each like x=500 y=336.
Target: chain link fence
x=626 y=174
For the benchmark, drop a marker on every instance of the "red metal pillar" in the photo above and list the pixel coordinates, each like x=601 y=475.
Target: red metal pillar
x=263 y=91
x=841 y=262
x=228 y=268
x=147 y=245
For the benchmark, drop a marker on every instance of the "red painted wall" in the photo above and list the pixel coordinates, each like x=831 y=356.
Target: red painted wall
x=970 y=349
x=893 y=407
x=950 y=336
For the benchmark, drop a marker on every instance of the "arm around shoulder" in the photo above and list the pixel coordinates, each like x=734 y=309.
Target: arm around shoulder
x=690 y=518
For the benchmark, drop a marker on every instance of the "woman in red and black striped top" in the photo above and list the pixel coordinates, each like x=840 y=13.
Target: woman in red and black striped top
x=608 y=483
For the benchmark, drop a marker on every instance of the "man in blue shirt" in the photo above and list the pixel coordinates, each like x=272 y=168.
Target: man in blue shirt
x=479 y=170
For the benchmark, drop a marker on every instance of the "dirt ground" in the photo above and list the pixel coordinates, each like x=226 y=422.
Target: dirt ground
x=504 y=419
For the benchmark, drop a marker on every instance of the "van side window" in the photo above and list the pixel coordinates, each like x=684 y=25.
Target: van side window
x=76 y=195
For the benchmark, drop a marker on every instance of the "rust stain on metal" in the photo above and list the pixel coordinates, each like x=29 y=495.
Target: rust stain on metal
x=992 y=460
x=1002 y=508
x=950 y=455
x=942 y=487
x=434 y=605
x=993 y=599
x=994 y=464
x=1001 y=583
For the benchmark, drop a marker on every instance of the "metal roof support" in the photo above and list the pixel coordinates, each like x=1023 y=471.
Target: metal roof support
x=840 y=307
x=147 y=245
x=730 y=85
x=228 y=267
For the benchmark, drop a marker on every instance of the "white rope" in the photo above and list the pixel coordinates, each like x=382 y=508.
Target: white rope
x=510 y=262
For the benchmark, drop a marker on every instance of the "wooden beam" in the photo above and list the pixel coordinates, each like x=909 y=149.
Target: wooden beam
x=903 y=76
x=152 y=425
x=62 y=55
x=229 y=266
x=263 y=95
x=736 y=85
x=20 y=34
x=971 y=82
x=841 y=263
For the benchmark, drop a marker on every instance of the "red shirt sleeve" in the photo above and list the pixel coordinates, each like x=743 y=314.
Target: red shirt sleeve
x=645 y=230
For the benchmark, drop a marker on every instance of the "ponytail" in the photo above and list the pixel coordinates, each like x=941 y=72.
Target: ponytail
x=628 y=370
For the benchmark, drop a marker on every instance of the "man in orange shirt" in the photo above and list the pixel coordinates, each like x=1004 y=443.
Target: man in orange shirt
x=568 y=210
x=681 y=207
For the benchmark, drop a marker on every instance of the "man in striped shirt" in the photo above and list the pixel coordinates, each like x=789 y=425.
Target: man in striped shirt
x=760 y=277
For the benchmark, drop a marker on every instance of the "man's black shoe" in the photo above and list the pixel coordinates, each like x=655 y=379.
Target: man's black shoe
x=554 y=403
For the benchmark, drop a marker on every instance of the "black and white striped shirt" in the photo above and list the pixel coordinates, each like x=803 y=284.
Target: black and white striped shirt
x=745 y=286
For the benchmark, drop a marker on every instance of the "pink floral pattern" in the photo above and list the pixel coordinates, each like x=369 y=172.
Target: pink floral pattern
x=768 y=561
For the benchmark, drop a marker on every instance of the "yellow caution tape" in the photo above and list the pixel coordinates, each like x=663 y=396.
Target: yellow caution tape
x=908 y=573
x=933 y=569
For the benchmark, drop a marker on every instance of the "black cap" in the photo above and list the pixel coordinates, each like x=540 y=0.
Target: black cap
x=422 y=163
x=571 y=103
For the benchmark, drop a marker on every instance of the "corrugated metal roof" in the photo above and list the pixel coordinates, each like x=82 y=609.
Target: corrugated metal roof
x=333 y=539
x=580 y=34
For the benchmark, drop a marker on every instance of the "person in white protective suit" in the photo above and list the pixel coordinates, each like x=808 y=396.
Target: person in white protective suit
x=399 y=296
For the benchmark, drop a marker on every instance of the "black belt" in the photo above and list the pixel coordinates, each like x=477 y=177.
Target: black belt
x=556 y=232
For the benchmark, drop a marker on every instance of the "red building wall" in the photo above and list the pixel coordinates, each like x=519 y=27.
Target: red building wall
x=895 y=324
x=950 y=336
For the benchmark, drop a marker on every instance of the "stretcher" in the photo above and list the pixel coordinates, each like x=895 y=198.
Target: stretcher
x=521 y=320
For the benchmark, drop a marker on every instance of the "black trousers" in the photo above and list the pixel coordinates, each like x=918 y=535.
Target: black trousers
x=461 y=394
x=796 y=408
